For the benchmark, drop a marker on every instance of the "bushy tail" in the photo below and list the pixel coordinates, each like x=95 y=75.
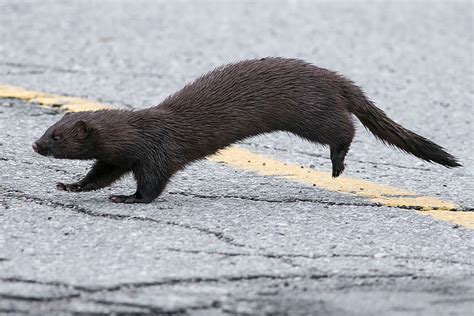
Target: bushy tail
x=392 y=133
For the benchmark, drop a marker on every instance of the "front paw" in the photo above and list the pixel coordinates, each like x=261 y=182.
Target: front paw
x=128 y=199
x=69 y=187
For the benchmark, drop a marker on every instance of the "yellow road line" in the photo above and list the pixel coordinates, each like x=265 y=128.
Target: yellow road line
x=243 y=159
x=65 y=103
x=246 y=160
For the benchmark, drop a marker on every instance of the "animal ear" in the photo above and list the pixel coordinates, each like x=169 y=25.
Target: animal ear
x=82 y=128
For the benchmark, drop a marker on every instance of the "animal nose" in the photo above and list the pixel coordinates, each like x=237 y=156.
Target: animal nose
x=35 y=146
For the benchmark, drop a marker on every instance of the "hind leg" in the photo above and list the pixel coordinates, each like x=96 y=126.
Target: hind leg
x=338 y=153
x=341 y=138
x=334 y=128
x=340 y=146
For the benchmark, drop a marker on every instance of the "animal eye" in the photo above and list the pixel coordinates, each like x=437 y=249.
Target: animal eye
x=56 y=137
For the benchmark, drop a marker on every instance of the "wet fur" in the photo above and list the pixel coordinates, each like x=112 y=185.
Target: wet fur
x=228 y=104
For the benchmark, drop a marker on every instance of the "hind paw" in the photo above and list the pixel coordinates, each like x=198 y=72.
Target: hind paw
x=337 y=170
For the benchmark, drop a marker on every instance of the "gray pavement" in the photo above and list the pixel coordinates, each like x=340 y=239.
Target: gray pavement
x=222 y=241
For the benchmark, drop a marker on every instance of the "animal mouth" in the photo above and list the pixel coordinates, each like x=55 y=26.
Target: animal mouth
x=57 y=156
x=42 y=151
x=45 y=153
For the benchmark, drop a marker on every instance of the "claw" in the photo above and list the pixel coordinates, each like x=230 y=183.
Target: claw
x=73 y=187
x=118 y=198
x=61 y=186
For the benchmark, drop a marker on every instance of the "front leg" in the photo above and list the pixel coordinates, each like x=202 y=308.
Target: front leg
x=150 y=184
x=100 y=176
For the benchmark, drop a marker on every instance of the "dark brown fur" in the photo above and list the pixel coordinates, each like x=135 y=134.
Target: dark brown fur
x=222 y=107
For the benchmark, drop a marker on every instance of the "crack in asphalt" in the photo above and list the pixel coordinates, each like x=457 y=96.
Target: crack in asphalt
x=53 y=168
x=458 y=300
x=319 y=256
x=284 y=258
x=158 y=310
x=22 y=73
x=163 y=282
x=267 y=255
x=31 y=281
x=38 y=298
x=319 y=201
x=327 y=158
x=222 y=279
x=143 y=308
x=14 y=311
x=219 y=235
x=288 y=200
x=197 y=280
x=81 y=293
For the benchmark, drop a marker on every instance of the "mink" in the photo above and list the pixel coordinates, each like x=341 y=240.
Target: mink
x=224 y=106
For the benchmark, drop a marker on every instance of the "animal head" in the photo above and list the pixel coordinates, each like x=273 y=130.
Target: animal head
x=71 y=137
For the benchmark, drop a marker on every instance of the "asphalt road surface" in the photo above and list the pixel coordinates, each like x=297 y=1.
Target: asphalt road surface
x=221 y=240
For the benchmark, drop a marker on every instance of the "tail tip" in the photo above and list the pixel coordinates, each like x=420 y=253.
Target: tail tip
x=453 y=164
x=450 y=162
